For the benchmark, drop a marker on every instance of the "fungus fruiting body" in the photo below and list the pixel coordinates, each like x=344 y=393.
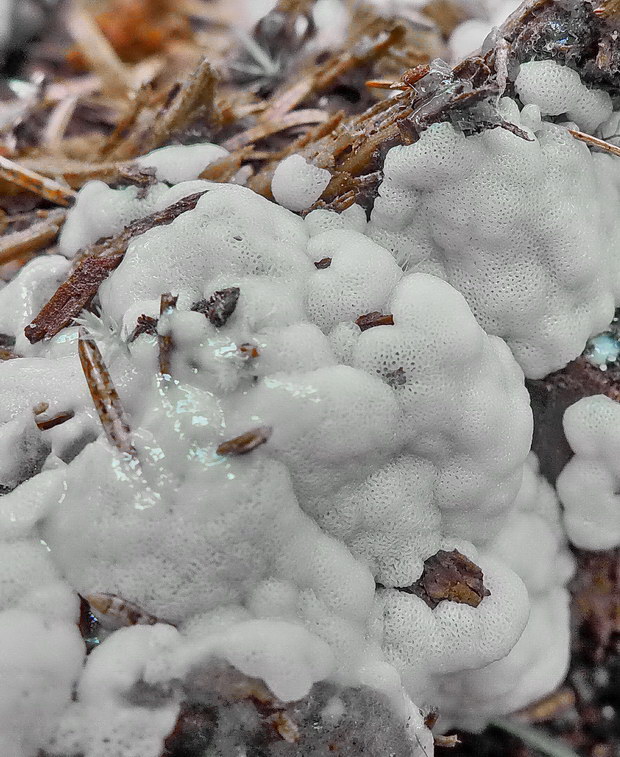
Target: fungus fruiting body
x=270 y=440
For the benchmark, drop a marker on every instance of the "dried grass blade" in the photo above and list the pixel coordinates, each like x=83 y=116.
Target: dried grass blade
x=104 y=394
x=47 y=188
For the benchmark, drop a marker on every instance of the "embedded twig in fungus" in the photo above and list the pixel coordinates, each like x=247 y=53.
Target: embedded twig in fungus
x=449 y=576
x=119 y=612
x=595 y=142
x=370 y=320
x=145 y=324
x=96 y=263
x=104 y=394
x=245 y=443
x=167 y=305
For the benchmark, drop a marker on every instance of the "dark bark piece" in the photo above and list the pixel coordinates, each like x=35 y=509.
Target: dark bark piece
x=145 y=324
x=167 y=305
x=370 y=320
x=323 y=263
x=88 y=626
x=226 y=713
x=449 y=576
x=104 y=395
x=95 y=264
x=220 y=306
x=245 y=443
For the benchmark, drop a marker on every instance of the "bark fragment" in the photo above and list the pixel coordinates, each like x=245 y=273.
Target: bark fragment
x=452 y=577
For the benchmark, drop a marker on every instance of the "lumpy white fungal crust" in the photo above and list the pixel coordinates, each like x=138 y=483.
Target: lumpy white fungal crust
x=297 y=184
x=588 y=485
x=558 y=90
x=378 y=447
x=177 y=163
x=517 y=224
x=533 y=544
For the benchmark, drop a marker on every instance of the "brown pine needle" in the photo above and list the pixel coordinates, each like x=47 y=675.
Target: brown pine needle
x=24 y=243
x=26 y=179
x=103 y=392
x=256 y=133
x=595 y=142
x=385 y=84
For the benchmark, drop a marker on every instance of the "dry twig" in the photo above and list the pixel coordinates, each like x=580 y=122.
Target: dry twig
x=26 y=179
x=21 y=244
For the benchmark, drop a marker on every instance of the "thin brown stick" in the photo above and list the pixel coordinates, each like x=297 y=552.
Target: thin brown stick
x=21 y=244
x=167 y=305
x=23 y=177
x=75 y=172
x=595 y=142
x=103 y=392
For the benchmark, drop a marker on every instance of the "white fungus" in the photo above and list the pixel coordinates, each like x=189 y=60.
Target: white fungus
x=297 y=184
x=177 y=163
x=360 y=478
x=363 y=365
x=533 y=544
x=588 y=485
x=558 y=90
x=516 y=224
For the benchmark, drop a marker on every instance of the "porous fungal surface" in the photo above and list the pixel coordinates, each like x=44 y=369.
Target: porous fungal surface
x=273 y=469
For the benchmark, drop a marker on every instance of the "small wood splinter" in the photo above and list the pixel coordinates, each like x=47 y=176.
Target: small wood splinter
x=249 y=350
x=370 y=320
x=104 y=394
x=119 y=612
x=44 y=424
x=446 y=742
x=245 y=443
x=323 y=263
x=145 y=324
